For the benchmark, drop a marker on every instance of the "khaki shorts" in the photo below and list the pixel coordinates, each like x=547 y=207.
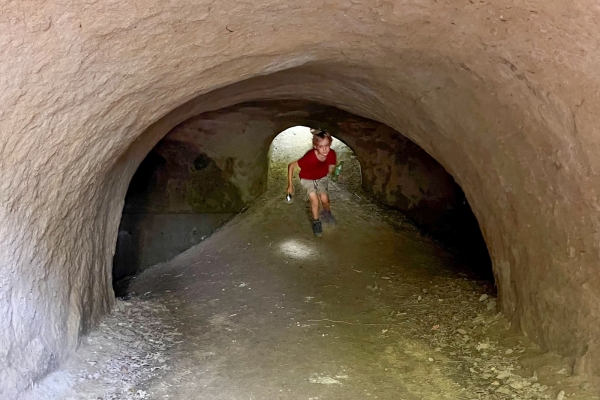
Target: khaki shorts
x=318 y=186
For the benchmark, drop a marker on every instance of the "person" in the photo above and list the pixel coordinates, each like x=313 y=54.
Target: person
x=315 y=166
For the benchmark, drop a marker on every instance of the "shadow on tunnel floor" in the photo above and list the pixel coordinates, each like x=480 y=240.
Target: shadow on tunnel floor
x=459 y=236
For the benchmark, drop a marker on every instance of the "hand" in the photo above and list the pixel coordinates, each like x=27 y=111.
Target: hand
x=290 y=190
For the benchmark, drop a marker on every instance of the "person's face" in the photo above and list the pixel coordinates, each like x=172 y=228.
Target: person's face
x=323 y=146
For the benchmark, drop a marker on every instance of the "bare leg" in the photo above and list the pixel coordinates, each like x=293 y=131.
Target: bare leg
x=325 y=201
x=314 y=204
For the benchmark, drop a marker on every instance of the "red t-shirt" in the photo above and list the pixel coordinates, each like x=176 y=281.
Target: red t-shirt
x=312 y=168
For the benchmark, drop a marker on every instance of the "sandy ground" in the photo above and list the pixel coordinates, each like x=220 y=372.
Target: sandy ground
x=264 y=310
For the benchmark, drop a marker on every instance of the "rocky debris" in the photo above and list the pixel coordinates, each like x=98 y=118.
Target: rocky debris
x=457 y=325
x=137 y=334
x=462 y=327
x=457 y=315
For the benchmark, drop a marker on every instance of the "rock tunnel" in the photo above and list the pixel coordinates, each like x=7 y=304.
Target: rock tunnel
x=212 y=166
x=503 y=96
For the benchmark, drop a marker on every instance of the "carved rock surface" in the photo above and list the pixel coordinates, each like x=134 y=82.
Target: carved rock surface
x=503 y=95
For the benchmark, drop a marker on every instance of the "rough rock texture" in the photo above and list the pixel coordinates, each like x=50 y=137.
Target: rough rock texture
x=503 y=95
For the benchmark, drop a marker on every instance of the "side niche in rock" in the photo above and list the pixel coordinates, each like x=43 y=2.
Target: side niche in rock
x=178 y=196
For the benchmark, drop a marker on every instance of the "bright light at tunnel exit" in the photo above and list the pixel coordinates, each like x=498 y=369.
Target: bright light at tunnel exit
x=296 y=139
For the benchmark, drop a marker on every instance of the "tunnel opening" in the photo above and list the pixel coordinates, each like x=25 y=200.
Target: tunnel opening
x=251 y=153
x=212 y=166
x=178 y=196
x=294 y=142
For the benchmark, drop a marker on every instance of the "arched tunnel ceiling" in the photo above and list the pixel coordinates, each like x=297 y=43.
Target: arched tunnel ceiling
x=502 y=95
x=493 y=156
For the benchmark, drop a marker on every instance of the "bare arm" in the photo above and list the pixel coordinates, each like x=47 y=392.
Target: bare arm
x=291 y=167
x=331 y=168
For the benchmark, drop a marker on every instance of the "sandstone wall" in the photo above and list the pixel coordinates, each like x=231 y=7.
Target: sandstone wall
x=503 y=95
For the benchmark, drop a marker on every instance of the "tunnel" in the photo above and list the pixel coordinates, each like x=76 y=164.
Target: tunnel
x=193 y=181
x=502 y=96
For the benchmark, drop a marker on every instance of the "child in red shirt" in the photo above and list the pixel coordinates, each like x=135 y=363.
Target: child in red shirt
x=315 y=166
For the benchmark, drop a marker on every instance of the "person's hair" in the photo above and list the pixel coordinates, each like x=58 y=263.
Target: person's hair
x=320 y=134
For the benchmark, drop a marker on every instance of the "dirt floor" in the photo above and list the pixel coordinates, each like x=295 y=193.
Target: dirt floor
x=264 y=310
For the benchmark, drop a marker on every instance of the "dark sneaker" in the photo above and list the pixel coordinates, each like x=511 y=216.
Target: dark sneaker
x=317 y=228
x=327 y=217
